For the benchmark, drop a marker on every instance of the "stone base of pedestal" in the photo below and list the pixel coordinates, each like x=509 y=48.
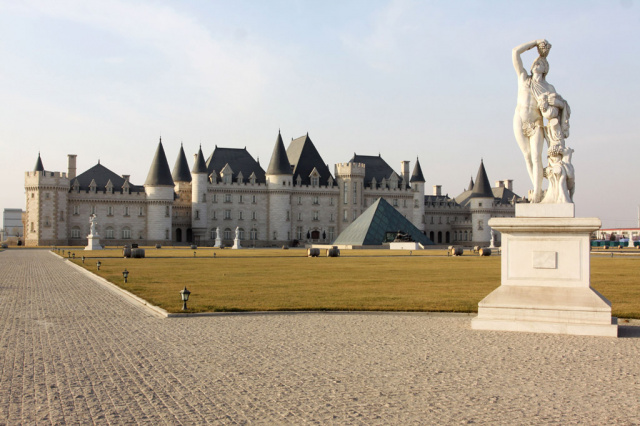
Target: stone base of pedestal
x=545 y=276
x=236 y=244
x=560 y=310
x=218 y=243
x=93 y=243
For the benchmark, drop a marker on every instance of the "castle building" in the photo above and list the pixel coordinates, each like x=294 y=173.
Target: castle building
x=297 y=200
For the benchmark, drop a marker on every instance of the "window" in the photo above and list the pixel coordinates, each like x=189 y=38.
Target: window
x=108 y=233
x=226 y=178
x=197 y=214
x=299 y=232
x=33 y=229
x=213 y=234
x=241 y=198
x=355 y=214
x=76 y=210
x=254 y=234
x=227 y=214
x=167 y=234
x=299 y=200
x=126 y=210
x=167 y=211
x=227 y=234
x=415 y=203
x=46 y=195
x=314 y=181
x=47 y=222
x=346 y=193
x=109 y=210
x=346 y=215
x=299 y=216
x=479 y=204
x=240 y=233
x=214 y=215
x=355 y=192
x=253 y=199
x=404 y=203
x=214 y=198
x=330 y=201
x=126 y=233
x=140 y=211
x=240 y=216
x=93 y=209
x=254 y=215
x=331 y=217
x=61 y=215
x=395 y=202
x=332 y=231
x=316 y=215
x=75 y=231
x=316 y=200
x=227 y=198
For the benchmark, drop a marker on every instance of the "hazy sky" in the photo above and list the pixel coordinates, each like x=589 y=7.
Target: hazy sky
x=406 y=79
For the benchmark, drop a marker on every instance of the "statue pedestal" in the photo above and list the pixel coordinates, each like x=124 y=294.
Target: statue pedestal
x=93 y=243
x=236 y=244
x=218 y=243
x=545 y=285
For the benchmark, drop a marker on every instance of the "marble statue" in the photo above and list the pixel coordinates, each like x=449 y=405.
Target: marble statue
x=237 y=233
x=93 y=221
x=537 y=101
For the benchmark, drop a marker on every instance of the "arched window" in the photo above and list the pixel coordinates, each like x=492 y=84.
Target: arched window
x=439 y=237
x=108 y=233
x=432 y=236
x=75 y=232
x=126 y=233
x=447 y=237
x=227 y=234
x=213 y=234
x=254 y=234
x=466 y=236
x=241 y=233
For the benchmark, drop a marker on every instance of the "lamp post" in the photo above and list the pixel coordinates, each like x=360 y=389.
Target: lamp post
x=125 y=275
x=98 y=264
x=69 y=254
x=194 y=254
x=184 y=294
x=82 y=259
x=74 y=255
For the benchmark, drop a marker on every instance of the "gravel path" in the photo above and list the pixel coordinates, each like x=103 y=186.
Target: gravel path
x=72 y=351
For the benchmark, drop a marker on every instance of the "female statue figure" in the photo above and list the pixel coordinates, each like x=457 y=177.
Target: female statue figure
x=537 y=99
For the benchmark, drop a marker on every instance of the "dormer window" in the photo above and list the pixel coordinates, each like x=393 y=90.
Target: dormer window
x=315 y=181
x=298 y=180
x=93 y=186
x=109 y=187
x=252 y=178
x=240 y=178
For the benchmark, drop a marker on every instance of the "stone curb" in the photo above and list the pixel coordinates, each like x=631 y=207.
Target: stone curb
x=155 y=310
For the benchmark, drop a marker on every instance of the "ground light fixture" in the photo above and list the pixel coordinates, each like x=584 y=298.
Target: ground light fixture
x=69 y=254
x=83 y=259
x=125 y=275
x=74 y=256
x=184 y=294
x=194 y=254
x=98 y=264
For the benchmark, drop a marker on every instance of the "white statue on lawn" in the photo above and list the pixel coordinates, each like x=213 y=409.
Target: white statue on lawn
x=537 y=101
x=93 y=221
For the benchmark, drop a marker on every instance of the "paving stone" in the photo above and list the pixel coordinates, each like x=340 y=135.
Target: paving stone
x=74 y=352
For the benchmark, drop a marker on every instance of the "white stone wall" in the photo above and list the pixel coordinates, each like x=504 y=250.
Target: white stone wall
x=159 y=205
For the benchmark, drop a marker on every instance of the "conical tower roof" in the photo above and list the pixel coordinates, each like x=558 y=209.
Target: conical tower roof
x=199 y=166
x=159 y=172
x=279 y=164
x=181 y=171
x=372 y=226
x=470 y=188
x=482 y=187
x=39 y=167
x=417 y=175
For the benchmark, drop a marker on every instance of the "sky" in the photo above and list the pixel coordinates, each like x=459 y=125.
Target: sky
x=404 y=79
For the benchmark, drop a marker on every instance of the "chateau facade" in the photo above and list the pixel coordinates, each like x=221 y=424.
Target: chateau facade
x=297 y=200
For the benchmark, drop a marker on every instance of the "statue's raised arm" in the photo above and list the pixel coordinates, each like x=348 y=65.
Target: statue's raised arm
x=519 y=50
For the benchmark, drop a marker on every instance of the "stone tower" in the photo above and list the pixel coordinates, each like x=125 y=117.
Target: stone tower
x=279 y=179
x=199 y=198
x=159 y=189
x=350 y=177
x=481 y=204
x=417 y=185
x=181 y=218
x=46 y=207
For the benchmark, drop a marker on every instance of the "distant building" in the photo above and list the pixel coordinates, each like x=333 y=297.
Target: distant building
x=12 y=224
x=617 y=234
x=296 y=200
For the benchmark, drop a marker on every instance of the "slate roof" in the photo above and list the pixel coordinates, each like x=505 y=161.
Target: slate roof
x=375 y=166
x=159 y=172
x=417 y=175
x=181 y=171
x=238 y=159
x=101 y=175
x=371 y=227
x=199 y=165
x=304 y=157
x=482 y=187
x=39 y=167
x=279 y=164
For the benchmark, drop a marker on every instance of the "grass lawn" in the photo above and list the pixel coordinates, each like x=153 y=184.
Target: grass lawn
x=381 y=280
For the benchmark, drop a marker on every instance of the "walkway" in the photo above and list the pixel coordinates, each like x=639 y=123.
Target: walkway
x=72 y=351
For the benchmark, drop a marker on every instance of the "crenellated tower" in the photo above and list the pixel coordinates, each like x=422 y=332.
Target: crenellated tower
x=159 y=188
x=46 y=207
x=350 y=178
x=279 y=179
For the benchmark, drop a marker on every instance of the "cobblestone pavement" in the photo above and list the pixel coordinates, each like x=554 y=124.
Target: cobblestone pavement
x=72 y=351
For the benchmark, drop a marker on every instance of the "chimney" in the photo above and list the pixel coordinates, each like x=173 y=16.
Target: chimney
x=71 y=173
x=404 y=167
x=437 y=190
x=509 y=184
x=499 y=184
